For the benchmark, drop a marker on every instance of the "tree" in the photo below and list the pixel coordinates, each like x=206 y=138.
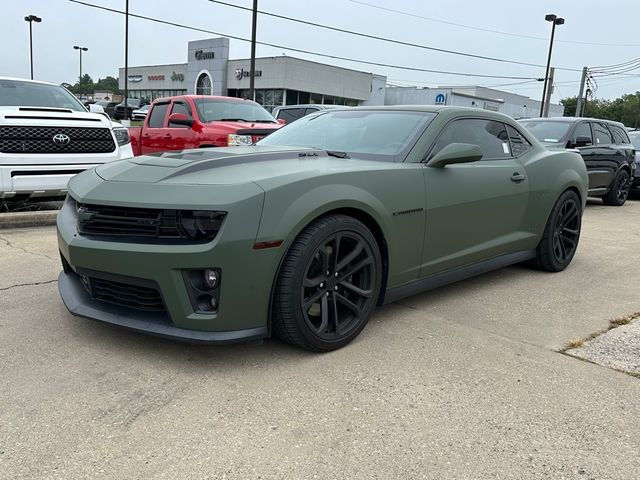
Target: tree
x=109 y=84
x=625 y=109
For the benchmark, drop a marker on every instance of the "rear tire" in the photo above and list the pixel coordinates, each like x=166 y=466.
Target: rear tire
x=619 y=191
x=561 y=234
x=328 y=285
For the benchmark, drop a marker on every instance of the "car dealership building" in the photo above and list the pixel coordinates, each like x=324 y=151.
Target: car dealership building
x=281 y=80
x=285 y=80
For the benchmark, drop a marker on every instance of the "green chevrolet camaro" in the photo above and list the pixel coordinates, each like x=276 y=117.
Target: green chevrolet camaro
x=305 y=233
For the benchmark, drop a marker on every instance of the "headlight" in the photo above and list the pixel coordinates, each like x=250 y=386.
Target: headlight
x=200 y=224
x=239 y=140
x=122 y=135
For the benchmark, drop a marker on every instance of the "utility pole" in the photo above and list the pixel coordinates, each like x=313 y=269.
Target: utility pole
x=580 y=92
x=547 y=100
x=126 y=59
x=252 y=68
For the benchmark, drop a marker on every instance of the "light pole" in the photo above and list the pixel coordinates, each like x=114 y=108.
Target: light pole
x=80 y=49
x=555 y=20
x=31 y=19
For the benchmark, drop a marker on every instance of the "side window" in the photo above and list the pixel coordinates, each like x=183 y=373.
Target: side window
x=311 y=110
x=519 y=144
x=180 y=107
x=290 y=114
x=490 y=136
x=582 y=130
x=601 y=134
x=158 y=112
x=619 y=135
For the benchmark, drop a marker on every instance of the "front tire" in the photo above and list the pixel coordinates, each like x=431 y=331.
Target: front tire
x=619 y=191
x=561 y=234
x=328 y=285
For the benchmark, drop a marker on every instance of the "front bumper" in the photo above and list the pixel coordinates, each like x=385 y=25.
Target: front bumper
x=79 y=302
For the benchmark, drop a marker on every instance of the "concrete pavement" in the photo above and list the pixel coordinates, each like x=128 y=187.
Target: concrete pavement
x=460 y=383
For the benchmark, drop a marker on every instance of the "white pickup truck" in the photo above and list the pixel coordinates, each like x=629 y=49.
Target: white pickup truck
x=47 y=136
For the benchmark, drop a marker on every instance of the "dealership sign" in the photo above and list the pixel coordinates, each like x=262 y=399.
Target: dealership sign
x=152 y=78
x=202 y=55
x=242 y=73
x=177 y=77
x=441 y=99
x=134 y=78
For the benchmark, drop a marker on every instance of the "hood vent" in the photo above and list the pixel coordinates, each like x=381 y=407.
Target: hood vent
x=45 y=109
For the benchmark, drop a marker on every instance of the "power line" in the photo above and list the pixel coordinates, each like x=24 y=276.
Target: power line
x=471 y=27
x=384 y=39
x=298 y=50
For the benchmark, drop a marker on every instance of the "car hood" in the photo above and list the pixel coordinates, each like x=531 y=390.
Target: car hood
x=232 y=127
x=229 y=166
x=51 y=116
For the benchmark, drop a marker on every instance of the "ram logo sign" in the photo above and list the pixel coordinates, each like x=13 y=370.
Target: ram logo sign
x=202 y=55
x=441 y=99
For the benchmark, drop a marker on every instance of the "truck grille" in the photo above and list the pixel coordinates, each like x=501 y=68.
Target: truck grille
x=133 y=296
x=26 y=139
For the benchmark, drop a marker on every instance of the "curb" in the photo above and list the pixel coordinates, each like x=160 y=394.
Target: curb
x=28 y=219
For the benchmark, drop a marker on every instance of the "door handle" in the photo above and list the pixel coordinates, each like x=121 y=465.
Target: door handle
x=517 y=177
x=146 y=135
x=167 y=136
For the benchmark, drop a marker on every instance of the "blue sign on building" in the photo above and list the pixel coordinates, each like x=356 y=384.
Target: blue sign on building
x=441 y=99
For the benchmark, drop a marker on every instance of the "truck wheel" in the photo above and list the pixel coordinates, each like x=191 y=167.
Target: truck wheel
x=619 y=191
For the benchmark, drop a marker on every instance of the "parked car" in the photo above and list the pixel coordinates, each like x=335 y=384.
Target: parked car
x=291 y=113
x=197 y=121
x=47 y=136
x=303 y=234
x=141 y=113
x=132 y=104
x=604 y=145
x=108 y=106
x=634 y=136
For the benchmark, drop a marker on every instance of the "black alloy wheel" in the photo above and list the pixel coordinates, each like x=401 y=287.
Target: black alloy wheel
x=619 y=191
x=561 y=234
x=329 y=284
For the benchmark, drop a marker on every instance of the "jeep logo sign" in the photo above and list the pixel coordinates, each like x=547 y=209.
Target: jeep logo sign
x=202 y=55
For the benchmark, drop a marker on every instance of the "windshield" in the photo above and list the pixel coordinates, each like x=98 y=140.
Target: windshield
x=635 y=139
x=547 y=131
x=215 y=110
x=369 y=132
x=18 y=93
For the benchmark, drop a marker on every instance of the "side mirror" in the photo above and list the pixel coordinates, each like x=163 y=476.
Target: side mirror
x=456 y=153
x=282 y=121
x=95 y=108
x=582 y=141
x=180 y=119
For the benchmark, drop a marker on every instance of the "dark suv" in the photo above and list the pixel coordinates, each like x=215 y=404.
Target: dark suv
x=132 y=104
x=604 y=146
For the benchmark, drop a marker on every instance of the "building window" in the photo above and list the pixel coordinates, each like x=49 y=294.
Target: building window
x=203 y=84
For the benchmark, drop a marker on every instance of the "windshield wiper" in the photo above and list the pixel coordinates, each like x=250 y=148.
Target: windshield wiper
x=233 y=120
x=332 y=153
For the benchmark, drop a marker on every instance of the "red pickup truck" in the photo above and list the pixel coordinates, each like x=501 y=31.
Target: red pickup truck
x=196 y=121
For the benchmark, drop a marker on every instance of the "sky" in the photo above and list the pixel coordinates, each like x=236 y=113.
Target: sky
x=524 y=38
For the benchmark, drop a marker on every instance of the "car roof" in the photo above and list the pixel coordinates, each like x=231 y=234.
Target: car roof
x=310 y=105
x=203 y=97
x=573 y=119
x=28 y=81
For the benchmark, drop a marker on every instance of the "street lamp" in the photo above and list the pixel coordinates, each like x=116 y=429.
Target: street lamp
x=31 y=19
x=555 y=20
x=80 y=49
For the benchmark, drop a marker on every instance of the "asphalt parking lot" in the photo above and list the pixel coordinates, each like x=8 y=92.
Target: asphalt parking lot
x=464 y=382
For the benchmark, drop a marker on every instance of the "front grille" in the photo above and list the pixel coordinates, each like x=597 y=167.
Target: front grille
x=26 y=139
x=133 y=296
x=129 y=222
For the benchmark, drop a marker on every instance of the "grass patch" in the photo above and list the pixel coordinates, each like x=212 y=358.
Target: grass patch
x=574 y=343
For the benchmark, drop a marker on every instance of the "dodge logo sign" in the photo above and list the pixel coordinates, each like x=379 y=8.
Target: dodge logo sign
x=61 y=139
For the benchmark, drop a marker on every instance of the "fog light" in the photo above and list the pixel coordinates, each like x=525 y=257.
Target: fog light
x=211 y=278
x=214 y=303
